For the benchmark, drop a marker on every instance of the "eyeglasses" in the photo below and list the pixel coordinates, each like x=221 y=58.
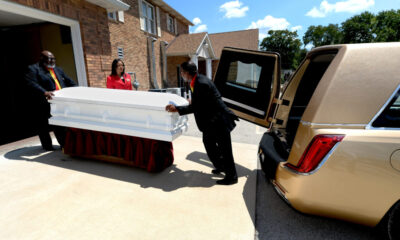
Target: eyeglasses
x=49 y=58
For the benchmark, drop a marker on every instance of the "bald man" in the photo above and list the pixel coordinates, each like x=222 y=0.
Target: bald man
x=43 y=78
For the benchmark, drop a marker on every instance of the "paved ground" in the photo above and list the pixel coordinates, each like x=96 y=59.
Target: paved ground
x=48 y=195
x=274 y=218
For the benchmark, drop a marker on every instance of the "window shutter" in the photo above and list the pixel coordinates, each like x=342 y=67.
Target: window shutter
x=158 y=22
x=121 y=16
x=168 y=22
x=176 y=26
x=141 y=15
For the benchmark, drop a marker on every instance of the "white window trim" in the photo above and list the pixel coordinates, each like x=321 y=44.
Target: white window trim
x=121 y=16
x=49 y=17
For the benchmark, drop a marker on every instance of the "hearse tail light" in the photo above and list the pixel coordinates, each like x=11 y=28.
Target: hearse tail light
x=315 y=152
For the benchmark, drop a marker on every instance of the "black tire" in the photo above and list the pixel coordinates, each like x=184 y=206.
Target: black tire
x=389 y=227
x=394 y=222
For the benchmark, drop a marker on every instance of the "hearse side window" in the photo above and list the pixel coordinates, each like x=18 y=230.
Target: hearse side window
x=243 y=75
x=390 y=117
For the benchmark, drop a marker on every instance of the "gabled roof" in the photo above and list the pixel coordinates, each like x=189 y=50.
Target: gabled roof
x=172 y=11
x=247 y=39
x=185 y=44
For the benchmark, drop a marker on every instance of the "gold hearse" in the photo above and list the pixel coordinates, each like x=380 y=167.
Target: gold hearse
x=333 y=145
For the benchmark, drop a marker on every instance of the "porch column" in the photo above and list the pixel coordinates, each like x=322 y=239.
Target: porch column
x=194 y=59
x=209 y=68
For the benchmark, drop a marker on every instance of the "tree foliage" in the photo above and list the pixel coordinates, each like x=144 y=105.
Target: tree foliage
x=322 y=35
x=362 y=28
x=359 y=29
x=387 y=27
x=286 y=43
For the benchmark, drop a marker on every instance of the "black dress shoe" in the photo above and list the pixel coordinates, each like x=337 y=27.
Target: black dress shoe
x=228 y=181
x=216 y=171
x=48 y=148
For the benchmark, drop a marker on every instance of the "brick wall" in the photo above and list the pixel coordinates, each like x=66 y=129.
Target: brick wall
x=94 y=32
x=133 y=40
x=173 y=63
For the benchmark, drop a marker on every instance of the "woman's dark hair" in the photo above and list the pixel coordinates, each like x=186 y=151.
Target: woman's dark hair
x=189 y=67
x=114 y=67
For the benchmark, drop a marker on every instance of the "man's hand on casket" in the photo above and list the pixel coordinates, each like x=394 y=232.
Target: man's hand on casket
x=170 y=108
x=48 y=95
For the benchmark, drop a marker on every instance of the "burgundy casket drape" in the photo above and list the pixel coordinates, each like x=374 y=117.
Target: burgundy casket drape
x=152 y=155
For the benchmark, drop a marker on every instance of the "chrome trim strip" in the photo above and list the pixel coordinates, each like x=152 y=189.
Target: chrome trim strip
x=369 y=125
x=243 y=106
x=319 y=165
x=332 y=124
x=279 y=192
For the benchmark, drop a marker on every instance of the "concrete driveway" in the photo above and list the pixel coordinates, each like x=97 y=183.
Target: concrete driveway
x=49 y=195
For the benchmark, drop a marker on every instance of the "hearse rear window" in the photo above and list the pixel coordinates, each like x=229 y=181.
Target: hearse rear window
x=390 y=117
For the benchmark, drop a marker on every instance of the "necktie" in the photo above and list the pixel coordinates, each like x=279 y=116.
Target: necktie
x=53 y=75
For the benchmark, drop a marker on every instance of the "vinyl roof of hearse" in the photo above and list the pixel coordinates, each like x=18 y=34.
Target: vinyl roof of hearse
x=358 y=82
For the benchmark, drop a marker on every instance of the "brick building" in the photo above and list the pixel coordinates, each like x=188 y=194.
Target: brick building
x=140 y=36
x=84 y=41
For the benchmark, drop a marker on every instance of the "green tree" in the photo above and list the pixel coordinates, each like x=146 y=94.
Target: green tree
x=286 y=43
x=387 y=27
x=359 y=29
x=322 y=35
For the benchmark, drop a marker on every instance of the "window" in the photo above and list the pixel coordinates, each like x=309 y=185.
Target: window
x=244 y=75
x=170 y=24
x=112 y=16
x=390 y=117
x=147 y=18
x=116 y=16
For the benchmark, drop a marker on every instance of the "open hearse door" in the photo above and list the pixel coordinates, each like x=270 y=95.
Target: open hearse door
x=249 y=82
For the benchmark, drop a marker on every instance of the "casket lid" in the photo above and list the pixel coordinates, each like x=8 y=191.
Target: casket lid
x=116 y=97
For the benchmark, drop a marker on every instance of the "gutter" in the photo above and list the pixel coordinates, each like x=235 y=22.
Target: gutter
x=111 y=5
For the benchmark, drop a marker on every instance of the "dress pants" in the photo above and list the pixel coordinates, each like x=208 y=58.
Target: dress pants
x=219 y=149
x=44 y=135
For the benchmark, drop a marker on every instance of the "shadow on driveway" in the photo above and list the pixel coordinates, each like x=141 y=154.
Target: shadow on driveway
x=170 y=179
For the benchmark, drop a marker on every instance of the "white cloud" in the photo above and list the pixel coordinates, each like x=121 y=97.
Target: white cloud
x=201 y=28
x=350 y=6
x=196 y=21
x=233 y=9
x=295 y=28
x=269 y=23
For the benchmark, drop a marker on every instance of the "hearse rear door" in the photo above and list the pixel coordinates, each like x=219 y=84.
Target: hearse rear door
x=249 y=82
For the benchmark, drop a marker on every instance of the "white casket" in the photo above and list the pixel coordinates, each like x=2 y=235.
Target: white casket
x=132 y=113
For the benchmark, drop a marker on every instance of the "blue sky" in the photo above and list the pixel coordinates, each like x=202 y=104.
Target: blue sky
x=214 y=16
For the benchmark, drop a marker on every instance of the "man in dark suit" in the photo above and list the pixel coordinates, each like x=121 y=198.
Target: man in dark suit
x=213 y=118
x=42 y=79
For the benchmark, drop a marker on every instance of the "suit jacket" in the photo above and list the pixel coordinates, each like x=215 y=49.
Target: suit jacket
x=210 y=112
x=38 y=80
